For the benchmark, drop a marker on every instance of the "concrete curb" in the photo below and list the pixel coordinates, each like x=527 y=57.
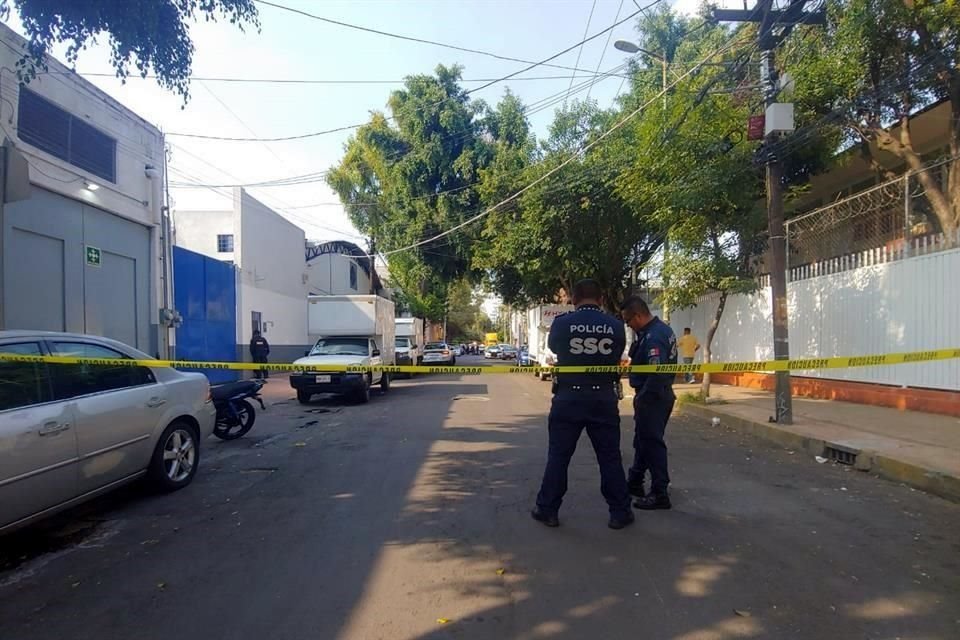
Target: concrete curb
x=909 y=473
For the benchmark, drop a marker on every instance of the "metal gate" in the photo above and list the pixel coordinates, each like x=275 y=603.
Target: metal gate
x=69 y=266
x=205 y=294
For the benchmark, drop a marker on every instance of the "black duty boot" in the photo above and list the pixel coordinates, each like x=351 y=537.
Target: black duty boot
x=637 y=489
x=652 y=502
x=621 y=521
x=542 y=517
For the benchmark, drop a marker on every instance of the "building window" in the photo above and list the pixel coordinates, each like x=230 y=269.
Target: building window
x=48 y=127
x=225 y=243
x=353 y=276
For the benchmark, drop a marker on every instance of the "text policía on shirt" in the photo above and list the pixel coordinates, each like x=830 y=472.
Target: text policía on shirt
x=591 y=345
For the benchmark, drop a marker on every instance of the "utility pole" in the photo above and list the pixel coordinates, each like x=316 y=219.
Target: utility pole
x=783 y=406
x=774 y=26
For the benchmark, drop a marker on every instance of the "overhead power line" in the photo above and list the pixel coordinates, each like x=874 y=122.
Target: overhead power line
x=295 y=81
x=606 y=45
x=320 y=176
x=586 y=30
x=399 y=36
x=315 y=134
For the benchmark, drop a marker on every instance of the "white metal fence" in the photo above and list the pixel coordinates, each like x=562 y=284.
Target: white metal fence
x=907 y=304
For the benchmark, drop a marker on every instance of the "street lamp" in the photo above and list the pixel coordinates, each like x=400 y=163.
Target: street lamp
x=628 y=47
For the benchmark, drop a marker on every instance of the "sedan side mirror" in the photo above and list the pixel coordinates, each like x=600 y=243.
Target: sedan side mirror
x=376 y=352
x=306 y=353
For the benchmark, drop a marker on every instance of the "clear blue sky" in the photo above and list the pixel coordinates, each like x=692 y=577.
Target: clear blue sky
x=290 y=46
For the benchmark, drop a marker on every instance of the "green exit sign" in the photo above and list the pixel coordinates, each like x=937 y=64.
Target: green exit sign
x=93 y=257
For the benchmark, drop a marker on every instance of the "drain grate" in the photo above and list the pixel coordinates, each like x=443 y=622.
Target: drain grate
x=841 y=456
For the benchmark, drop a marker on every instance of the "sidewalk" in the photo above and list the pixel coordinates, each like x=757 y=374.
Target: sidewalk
x=918 y=449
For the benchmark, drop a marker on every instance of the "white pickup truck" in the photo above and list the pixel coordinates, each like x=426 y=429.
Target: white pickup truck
x=539 y=320
x=409 y=341
x=348 y=330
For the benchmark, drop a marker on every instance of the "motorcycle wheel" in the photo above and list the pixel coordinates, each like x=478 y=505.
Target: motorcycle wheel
x=229 y=430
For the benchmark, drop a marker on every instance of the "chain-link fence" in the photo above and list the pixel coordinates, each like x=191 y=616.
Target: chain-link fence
x=890 y=221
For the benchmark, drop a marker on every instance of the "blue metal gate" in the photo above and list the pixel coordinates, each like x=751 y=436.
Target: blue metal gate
x=205 y=294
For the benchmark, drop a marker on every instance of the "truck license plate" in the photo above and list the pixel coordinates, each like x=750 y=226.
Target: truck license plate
x=322 y=379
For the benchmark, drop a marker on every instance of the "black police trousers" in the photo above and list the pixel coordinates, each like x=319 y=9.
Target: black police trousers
x=650 y=416
x=571 y=412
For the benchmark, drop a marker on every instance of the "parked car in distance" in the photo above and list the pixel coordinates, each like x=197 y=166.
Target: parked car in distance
x=508 y=352
x=70 y=432
x=524 y=359
x=407 y=353
x=492 y=352
x=438 y=353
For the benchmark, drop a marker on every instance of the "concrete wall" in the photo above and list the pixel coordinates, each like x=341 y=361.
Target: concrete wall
x=132 y=198
x=270 y=257
x=138 y=141
x=329 y=274
x=271 y=270
x=906 y=305
x=198 y=231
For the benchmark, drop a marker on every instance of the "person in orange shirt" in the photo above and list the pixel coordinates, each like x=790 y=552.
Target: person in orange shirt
x=688 y=346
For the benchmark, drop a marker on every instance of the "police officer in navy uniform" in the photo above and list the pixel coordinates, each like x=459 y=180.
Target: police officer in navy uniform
x=585 y=337
x=652 y=403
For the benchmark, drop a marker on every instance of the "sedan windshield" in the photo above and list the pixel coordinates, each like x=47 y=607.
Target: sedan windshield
x=340 y=347
x=435 y=346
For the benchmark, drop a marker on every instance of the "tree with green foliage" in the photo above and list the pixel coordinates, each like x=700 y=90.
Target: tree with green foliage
x=466 y=320
x=407 y=177
x=878 y=63
x=692 y=172
x=151 y=35
x=571 y=224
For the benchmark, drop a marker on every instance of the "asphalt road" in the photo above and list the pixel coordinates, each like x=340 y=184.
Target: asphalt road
x=407 y=519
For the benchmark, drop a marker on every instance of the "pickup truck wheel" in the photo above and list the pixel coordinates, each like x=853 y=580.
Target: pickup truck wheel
x=303 y=397
x=363 y=394
x=385 y=383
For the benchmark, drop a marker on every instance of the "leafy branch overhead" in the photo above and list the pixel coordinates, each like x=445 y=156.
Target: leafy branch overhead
x=148 y=35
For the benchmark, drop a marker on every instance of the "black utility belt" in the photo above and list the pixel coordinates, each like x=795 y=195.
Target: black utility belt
x=610 y=386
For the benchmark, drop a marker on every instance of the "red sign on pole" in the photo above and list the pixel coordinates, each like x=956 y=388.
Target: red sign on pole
x=755 y=127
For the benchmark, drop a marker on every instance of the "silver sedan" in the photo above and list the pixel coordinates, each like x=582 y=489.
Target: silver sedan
x=69 y=432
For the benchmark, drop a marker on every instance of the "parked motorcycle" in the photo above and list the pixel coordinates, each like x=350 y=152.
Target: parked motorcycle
x=235 y=413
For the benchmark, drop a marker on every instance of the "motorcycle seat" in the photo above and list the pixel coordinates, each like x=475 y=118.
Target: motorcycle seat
x=231 y=389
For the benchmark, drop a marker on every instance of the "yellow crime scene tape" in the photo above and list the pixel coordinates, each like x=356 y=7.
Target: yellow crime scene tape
x=799 y=364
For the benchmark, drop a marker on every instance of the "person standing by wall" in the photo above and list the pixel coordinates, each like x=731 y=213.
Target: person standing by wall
x=652 y=403
x=259 y=350
x=688 y=345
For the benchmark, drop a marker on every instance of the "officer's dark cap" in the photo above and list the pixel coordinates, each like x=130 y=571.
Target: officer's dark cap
x=587 y=289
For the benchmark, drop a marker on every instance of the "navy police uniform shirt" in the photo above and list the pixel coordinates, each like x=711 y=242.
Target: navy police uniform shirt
x=587 y=337
x=655 y=344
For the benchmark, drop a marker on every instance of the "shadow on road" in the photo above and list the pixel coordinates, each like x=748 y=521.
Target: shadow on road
x=741 y=556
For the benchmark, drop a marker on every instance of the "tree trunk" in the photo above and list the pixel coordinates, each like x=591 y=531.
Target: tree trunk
x=947 y=214
x=708 y=341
